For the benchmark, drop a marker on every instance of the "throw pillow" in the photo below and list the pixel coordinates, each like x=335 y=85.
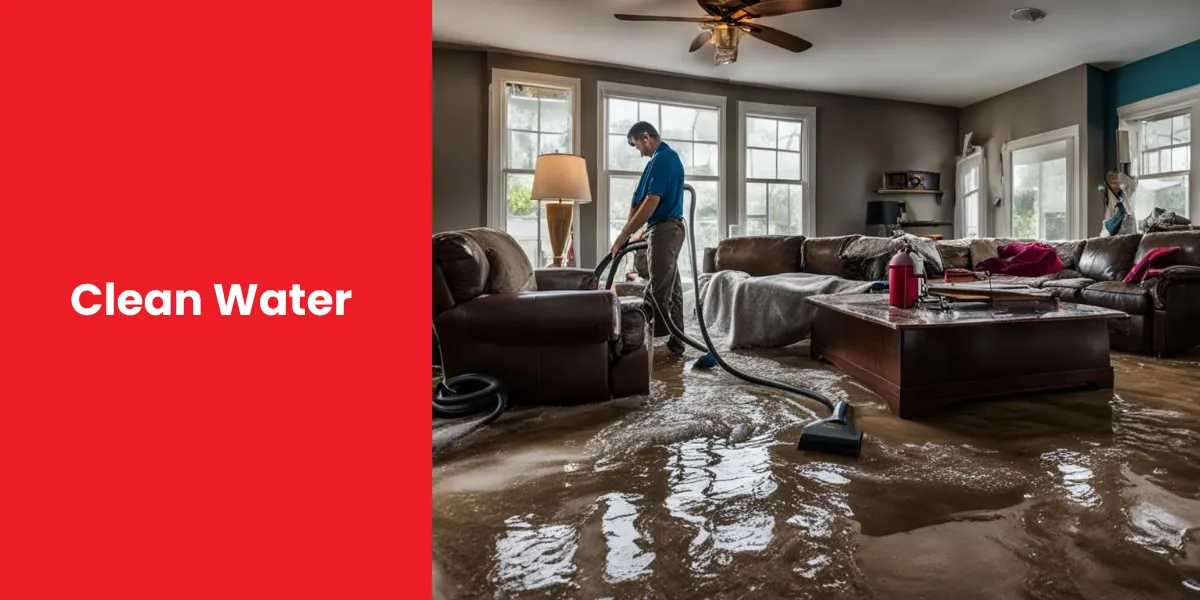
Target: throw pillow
x=984 y=249
x=955 y=254
x=928 y=251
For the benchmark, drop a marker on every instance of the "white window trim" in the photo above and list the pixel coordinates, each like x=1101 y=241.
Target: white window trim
x=497 y=197
x=978 y=159
x=1076 y=225
x=608 y=88
x=1179 y=101
x=807 y=115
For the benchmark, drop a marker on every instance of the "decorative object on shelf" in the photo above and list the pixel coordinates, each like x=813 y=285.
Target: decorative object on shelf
x=560 y=181
x=912 y=180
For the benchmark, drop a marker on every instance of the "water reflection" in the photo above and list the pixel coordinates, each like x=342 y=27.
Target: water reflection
x=626 y=559
x=530 y=557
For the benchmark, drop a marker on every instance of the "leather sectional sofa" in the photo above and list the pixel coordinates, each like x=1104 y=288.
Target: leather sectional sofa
x=1164 y=311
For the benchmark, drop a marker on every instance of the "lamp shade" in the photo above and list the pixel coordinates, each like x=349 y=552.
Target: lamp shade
x=882 y=212
x=561 y=177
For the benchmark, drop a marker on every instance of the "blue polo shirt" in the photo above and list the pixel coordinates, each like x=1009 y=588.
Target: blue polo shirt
x=663 y=177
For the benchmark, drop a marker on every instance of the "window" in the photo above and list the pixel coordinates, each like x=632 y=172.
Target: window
x=531 y=114
x=970 y=209
x=1164 y=164
x=775 y=169
x=692 y=124
x=1162 y=152
x=1043 y=197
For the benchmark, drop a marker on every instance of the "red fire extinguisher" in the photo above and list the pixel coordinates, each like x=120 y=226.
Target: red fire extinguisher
x=903 y=285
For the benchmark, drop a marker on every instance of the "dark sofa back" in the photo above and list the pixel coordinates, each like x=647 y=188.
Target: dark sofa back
x=1188 y=242
x=1109 y=258
x=823 y=256
x=760 y=255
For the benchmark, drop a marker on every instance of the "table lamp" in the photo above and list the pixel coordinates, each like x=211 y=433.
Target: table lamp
x=560 y=181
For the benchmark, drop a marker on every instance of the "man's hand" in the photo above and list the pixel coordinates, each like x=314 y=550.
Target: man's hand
x=617 y=246
x=639 y=236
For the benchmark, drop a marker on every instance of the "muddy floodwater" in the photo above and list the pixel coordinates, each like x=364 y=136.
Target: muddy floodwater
x=698 y=491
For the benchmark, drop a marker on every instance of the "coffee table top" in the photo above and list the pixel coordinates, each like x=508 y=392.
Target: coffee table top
x=874 y=308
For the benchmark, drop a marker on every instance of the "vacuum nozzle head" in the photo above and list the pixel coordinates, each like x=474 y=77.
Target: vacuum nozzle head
x=833 y=434
x=705 y=362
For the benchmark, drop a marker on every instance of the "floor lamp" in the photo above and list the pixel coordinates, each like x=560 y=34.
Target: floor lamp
x=559 y=182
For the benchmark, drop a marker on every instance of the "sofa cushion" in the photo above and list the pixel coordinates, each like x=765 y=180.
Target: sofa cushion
x=463 y=263
x=1117 y=295
x=1109 y=258
x=1068 y=290
x=956 y=254
x=822 y=256
x=760 y=255
x=986 y=248
x=866 y=258
x=927 y=249
x=1187 y=241
x=1069 y=252
x=633 y=325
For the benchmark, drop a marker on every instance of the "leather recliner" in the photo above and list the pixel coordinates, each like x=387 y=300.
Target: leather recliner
x=550 y=335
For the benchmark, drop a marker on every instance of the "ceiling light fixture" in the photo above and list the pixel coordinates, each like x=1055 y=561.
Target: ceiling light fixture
x=1028 y=15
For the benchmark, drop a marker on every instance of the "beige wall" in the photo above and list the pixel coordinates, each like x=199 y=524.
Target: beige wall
x=857 y=139
x=1055 y=102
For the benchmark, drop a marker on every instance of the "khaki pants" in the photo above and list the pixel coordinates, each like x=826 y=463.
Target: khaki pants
x=665 y=241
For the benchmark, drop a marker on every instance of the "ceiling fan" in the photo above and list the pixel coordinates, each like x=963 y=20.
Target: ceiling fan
x=729 y=20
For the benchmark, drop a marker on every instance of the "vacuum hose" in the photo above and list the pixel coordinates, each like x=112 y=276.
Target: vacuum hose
x=833 y=434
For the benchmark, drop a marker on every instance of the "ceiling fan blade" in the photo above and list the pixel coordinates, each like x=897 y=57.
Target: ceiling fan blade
x=774 y=8
x=782 y=39
x=652 y=18
x=700 y=41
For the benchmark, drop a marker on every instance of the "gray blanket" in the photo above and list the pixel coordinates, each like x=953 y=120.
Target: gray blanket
x=766 y=312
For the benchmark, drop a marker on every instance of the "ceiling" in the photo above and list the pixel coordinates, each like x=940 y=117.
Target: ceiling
x=948 y=52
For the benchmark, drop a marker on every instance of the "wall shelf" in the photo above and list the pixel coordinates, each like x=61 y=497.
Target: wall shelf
x=937 y=194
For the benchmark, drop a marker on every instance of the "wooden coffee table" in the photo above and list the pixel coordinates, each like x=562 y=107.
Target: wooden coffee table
x=922 y=359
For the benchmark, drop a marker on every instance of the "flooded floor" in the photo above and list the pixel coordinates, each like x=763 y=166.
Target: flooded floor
x=698 y=491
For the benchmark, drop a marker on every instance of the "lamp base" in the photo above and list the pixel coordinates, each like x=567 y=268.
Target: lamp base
x=558 y=221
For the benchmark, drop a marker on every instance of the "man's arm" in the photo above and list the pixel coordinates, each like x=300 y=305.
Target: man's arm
x=640 y=214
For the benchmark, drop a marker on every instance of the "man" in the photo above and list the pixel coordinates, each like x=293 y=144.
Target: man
x=658 y=205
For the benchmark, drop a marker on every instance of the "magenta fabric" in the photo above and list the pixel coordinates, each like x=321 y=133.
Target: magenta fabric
x=1142 y=269
x=1023 y=259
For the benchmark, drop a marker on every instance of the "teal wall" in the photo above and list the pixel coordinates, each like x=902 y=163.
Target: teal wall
x=1154 y=76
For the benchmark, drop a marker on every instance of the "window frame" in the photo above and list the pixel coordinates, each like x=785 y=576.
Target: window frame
x=1179 y=102
x=976 y=159
x=607 y=89
x=497 y=196
x=807 y=116
x=1076 y=225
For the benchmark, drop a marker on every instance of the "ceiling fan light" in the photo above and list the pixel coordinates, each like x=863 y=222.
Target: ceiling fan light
x=725 y=56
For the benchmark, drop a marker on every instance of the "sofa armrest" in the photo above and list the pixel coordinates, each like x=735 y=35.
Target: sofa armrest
x=708 y=264
x=559 y=280
x=1160 y=286
x=536 y=318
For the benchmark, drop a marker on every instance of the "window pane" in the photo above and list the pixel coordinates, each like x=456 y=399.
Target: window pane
x=796 y=201
x=761 y=164
x=1156 y=134
x=1181 y=159
x=648 y=112
x=756 y=199
x=779 y=215
x=1039 y=193
x=522 y=148
x=684 y=149
x=971 y=179
x=1150 y=163
x=522 y=111
x=971 y=211
x=679 y=123
x=523 y=213
x=622 y=156
x=707 y=234
x=707 y=126
x=789 y=165
x=1168 y=193
x=760 y=133
x=622 y=114
x=789 y=135
x=1182 y=129
x=620 y=200
x=556 y=116
x=706 y=158
x=551 y=143
x=756 y=226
